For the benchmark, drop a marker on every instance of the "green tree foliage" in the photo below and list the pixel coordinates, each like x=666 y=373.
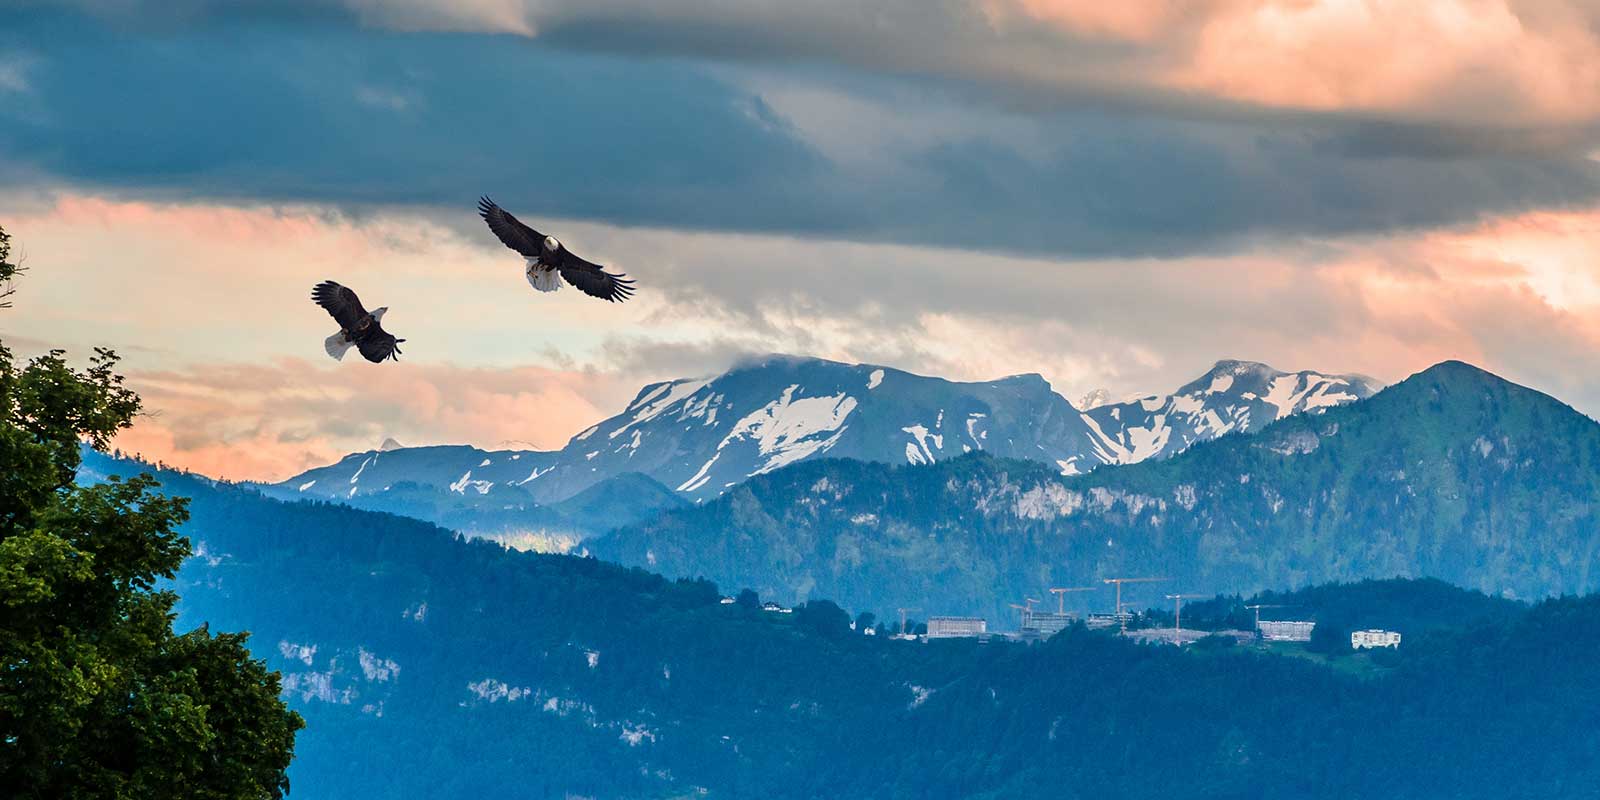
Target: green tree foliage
x=98 y=696
x=8 y=269
x=824 y=618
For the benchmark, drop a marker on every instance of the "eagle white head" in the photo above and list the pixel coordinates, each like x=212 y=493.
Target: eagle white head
x=551 y=243
x=377 y=313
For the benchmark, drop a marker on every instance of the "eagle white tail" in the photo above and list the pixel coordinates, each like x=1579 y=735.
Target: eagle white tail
x=545 y=280
x=337 y=346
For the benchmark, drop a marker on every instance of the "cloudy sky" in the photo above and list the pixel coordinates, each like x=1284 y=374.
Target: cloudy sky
x=1114 y=195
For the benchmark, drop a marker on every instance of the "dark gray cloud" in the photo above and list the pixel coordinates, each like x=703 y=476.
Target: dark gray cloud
x=274 y=103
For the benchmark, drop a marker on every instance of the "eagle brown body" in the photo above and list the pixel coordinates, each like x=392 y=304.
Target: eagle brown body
x=358 y=327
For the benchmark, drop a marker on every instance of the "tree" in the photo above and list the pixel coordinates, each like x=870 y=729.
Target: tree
x=824 y=617
x=98 y=696
x=9 y=270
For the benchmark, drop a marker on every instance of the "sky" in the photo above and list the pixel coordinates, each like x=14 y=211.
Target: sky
x=1113 y=195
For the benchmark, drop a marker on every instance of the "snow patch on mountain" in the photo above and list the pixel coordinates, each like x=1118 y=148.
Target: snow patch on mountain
x=364 y=465
x=460 y=486
x=648 y=406
x=917 y=450
x=789 y=429
x=699 y=478
x=374 y=668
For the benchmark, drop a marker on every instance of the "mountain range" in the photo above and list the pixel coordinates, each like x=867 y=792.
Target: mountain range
x=1453 y=473
x=692 y=440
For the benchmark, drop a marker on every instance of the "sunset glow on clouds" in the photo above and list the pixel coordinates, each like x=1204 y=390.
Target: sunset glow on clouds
x=1502 y=61
x=1113 y=195
x=1492 y=61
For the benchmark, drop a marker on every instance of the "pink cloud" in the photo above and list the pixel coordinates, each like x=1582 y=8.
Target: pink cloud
x=269 y=421
x=1495 y=62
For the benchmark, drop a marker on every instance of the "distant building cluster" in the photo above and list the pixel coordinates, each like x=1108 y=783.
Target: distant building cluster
x=1103 y=621
x=1047 y=623
x=956 y=627
x=1039 y=625
x=1368 y=639
x=1285 y=630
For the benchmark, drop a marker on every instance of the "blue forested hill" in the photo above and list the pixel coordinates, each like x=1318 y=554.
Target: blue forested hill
x=431 y=666
x=1453 y=473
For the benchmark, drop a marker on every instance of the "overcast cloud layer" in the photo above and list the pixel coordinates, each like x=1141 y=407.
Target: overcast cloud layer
x=303 y=107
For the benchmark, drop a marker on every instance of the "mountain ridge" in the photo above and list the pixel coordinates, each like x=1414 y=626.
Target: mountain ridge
x=703 y=436
x=1453 y=473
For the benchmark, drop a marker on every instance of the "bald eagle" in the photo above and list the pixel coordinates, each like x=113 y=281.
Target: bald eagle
x=357 y=327
x=549 y=261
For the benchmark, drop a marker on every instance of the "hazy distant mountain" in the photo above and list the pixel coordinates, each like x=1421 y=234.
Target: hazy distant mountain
x=486 y=499
x=700 y=437
x=1453 y=473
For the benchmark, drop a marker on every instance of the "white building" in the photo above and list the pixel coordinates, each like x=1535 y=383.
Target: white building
x=1364 y=640
x=1102 y=621
x=1285 y=630
x=954 y=627
x=1046 y=623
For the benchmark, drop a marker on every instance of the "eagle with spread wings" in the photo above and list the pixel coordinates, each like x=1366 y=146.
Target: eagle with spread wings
x=549 y=261
x=358 y=327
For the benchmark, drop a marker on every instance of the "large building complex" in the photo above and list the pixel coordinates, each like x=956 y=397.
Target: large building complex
x=1285 y=630
x=1363 y=640
x=955 y=627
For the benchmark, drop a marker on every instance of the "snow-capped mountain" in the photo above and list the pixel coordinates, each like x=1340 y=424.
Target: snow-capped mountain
x=701 y=436
x=1233 y=396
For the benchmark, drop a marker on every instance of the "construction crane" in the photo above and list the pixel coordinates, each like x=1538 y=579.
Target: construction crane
x=1177 y=611
x=1257 y=608
x=1123 y=623
x=1061 y=596
x=1022 y=615
x=1026 y=610
x=903 y=611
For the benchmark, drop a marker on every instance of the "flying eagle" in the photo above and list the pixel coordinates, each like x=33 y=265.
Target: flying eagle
x=357 y=327
x=549 y=261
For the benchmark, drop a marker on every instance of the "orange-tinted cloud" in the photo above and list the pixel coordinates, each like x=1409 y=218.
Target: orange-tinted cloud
x=1495 y=62
x=269 y=421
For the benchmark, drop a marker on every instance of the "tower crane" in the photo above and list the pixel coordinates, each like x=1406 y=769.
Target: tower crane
x=903 y=611
x=1257 y=608
x=1123 y=623
x=1177 y=611
x=1061 y=595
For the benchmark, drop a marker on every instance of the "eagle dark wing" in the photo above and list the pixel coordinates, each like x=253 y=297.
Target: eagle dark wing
x=377 y=344
x=339 y=302
x=511 y=231
x=593 y=280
